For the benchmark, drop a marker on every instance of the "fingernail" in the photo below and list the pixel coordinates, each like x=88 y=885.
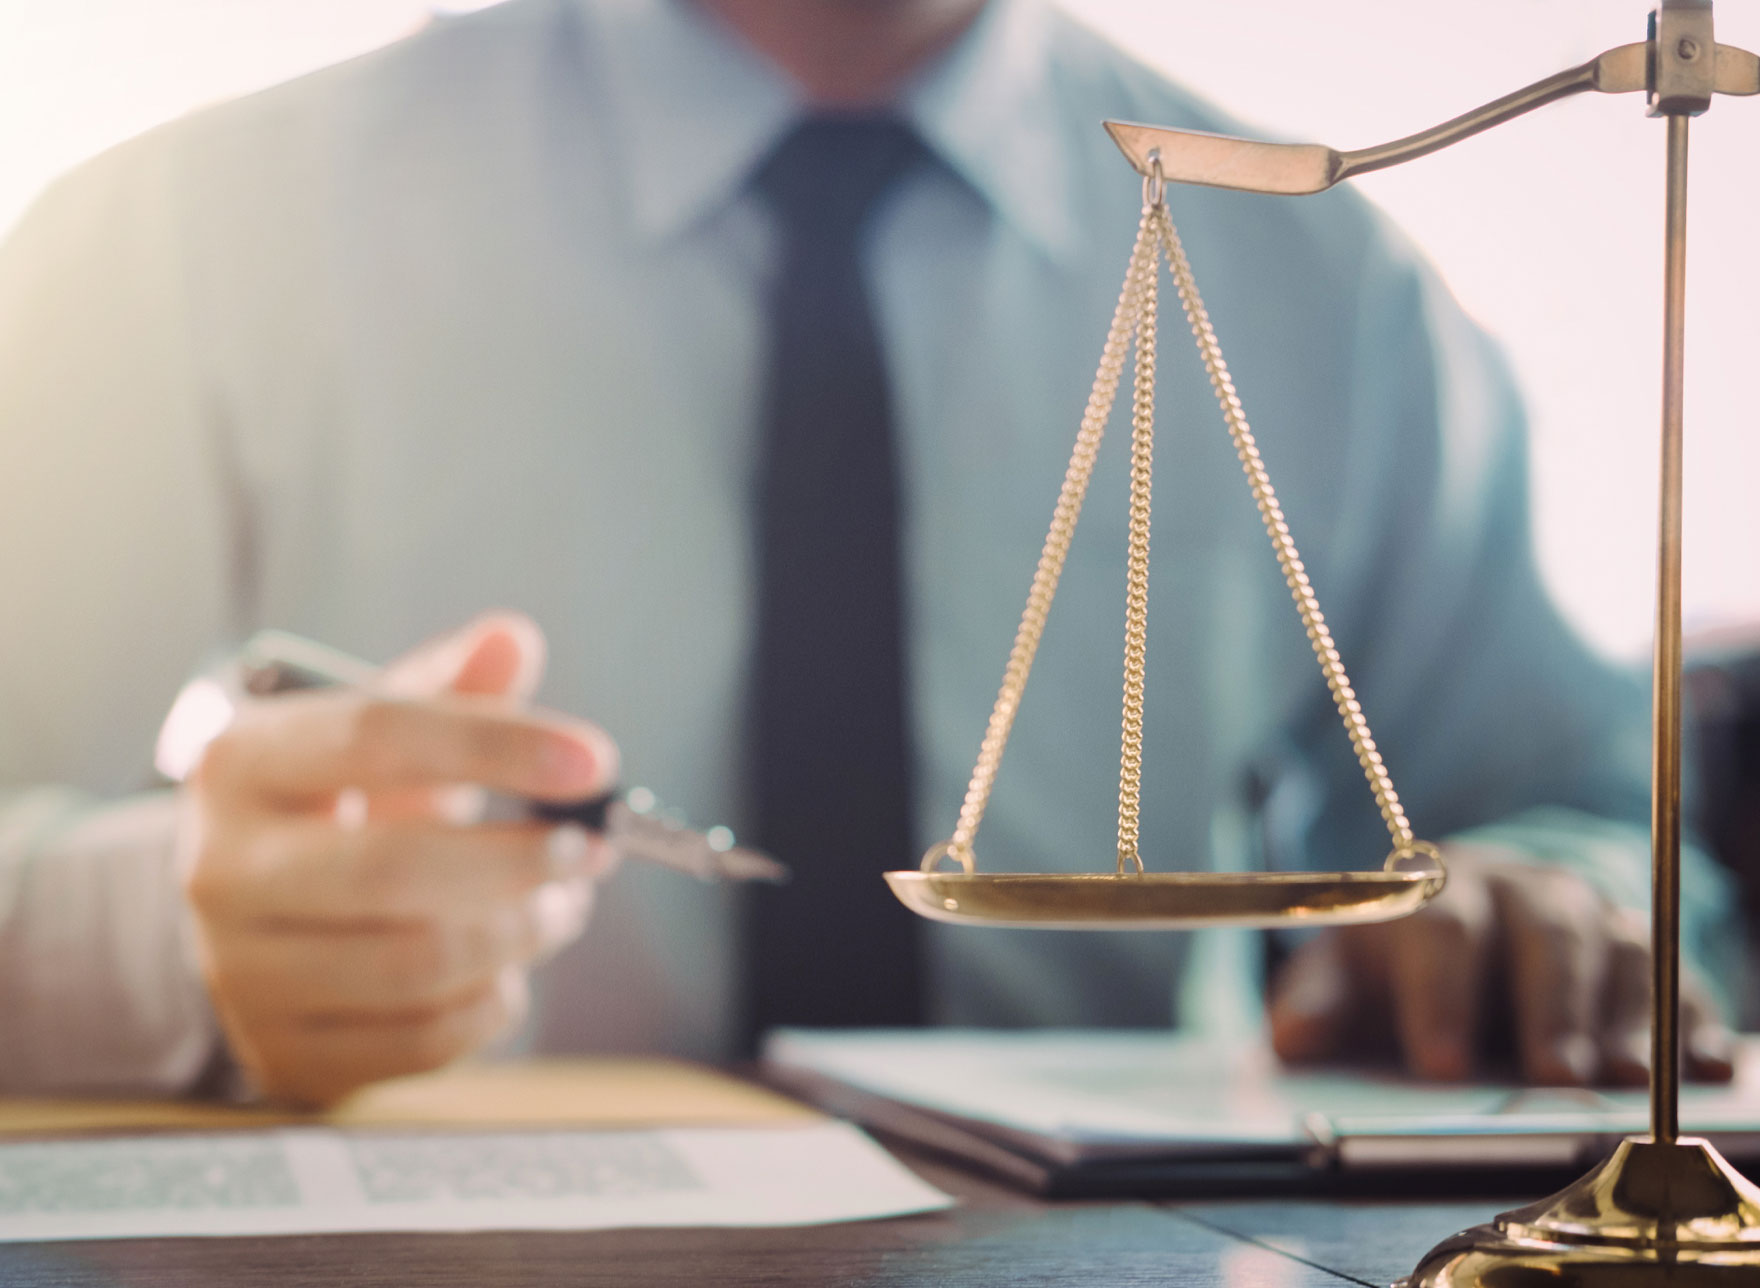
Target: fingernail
x=566 y=848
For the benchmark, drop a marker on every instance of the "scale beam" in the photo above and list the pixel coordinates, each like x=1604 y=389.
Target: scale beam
x=1294 y=169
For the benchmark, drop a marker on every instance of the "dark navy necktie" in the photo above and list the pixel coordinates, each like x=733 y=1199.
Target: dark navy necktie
x=830 y=767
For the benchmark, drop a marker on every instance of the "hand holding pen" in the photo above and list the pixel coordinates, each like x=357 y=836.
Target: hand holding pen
x=352 y=923
x=633 y=821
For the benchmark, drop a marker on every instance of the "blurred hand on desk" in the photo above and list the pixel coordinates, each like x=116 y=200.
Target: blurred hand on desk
x=355 y=921
x=1510 y=955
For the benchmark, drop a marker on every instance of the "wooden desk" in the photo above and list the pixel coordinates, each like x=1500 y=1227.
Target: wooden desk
x=995 y=1237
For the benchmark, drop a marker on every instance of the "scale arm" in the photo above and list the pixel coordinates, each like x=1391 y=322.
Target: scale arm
x=1190 y=156
x=1738 y=71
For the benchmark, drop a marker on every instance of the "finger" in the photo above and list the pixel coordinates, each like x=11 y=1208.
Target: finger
x=1555 y=927
x=1313 y=1002
x=301 y=748
x=318 y=1062
x=311 y=874
x=1437 y=976
x=500 y=654
x=1625 y=1008
x=1708 y=1046
x=398 y=968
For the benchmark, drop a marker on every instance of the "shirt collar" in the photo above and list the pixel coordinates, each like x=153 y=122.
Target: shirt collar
x=989 y=109
x=696 y=111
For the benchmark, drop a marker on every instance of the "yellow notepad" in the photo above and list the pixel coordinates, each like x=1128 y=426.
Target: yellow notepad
x=581 y=1092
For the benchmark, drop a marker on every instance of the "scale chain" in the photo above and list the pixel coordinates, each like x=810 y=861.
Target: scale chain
x=1136 y=317
x=1136 y=599
x=1288 y=559
x=1142 y=268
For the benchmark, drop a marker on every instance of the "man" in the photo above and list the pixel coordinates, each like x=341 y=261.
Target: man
x=483 y=319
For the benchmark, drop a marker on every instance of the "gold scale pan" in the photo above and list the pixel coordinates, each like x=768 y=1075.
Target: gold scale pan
x=1162 y=900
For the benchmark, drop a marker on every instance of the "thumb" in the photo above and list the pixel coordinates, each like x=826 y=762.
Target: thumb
x=500 y=654
x=1312 y=1001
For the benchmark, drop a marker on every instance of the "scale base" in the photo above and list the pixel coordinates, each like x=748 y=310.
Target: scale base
x=1675 y=1215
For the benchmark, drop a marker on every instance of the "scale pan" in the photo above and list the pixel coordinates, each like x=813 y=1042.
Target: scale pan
x=1162 y=900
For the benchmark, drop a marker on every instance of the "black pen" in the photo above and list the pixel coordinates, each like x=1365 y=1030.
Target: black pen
x=275 y=662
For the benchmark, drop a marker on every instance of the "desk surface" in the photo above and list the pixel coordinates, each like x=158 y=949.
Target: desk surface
x=994 y=1237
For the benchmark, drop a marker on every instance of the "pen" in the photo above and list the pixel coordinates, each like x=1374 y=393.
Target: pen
x=275 y=662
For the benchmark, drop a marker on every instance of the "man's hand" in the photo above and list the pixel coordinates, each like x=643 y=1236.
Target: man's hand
x=354 y=923
x=1511 y=955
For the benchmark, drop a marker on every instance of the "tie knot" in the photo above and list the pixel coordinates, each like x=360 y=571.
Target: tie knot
x=827 y=174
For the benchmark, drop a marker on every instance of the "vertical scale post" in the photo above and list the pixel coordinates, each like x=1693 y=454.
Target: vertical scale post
x=1665 y=762
x=1683 y=76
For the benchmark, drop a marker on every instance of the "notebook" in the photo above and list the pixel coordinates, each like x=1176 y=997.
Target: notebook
x=1108 y=1112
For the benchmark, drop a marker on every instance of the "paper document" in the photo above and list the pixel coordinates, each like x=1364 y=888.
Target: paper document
x=309 y=1180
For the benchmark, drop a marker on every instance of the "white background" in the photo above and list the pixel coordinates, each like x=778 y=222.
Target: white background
x=1549 y=229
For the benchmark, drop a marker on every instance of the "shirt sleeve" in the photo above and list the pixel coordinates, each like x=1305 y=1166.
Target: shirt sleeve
x=1496 y=720
x=98 y=984
x=113 y=574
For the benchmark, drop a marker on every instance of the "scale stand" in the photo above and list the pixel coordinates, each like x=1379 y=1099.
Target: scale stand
x=1666 y=1209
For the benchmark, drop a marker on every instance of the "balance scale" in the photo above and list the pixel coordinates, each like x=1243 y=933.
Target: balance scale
x=1664 y=1209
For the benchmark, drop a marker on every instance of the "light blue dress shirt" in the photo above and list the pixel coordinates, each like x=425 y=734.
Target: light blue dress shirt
x=476 y=320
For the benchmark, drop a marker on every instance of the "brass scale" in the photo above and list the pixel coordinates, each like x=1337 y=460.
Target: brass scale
x=1665 y=1209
